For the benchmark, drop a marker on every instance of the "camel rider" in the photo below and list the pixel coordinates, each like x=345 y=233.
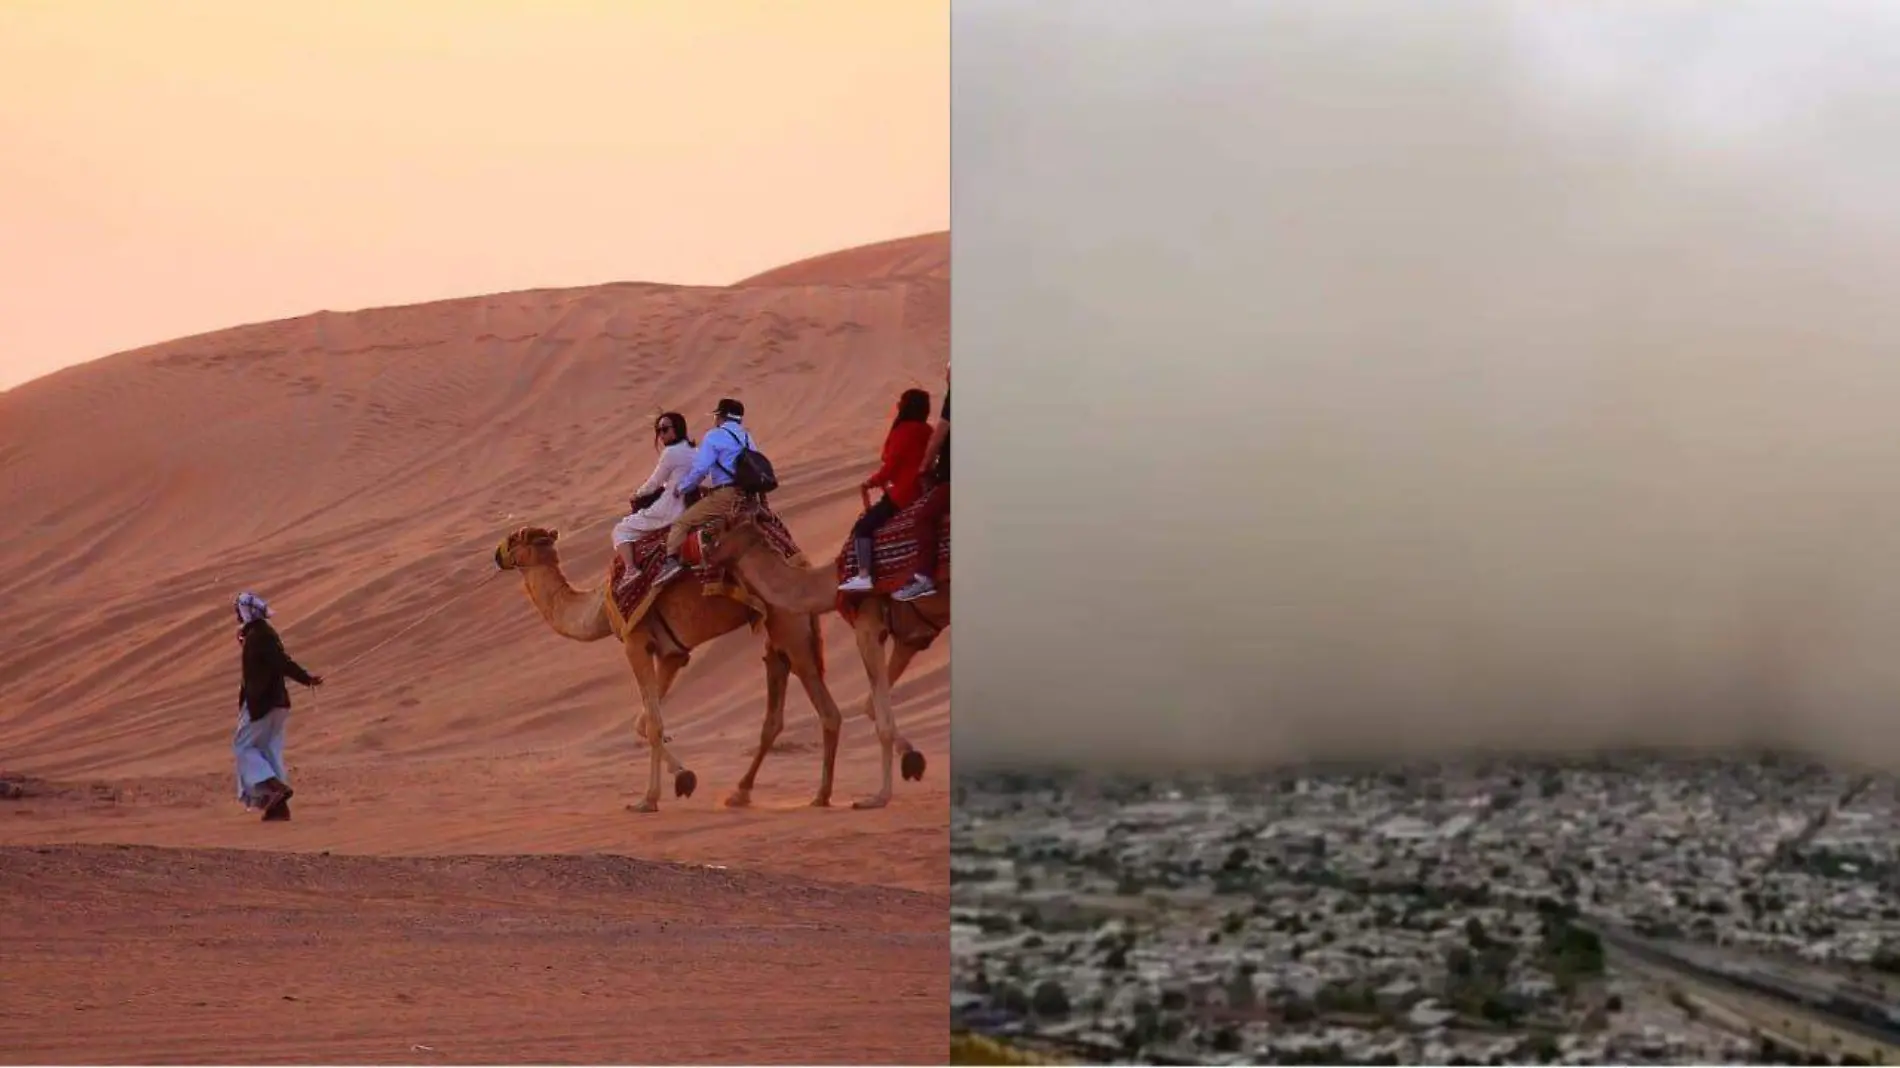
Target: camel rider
x=901 y=476
x=936 y=468
x=655 y=506
x=713 y=467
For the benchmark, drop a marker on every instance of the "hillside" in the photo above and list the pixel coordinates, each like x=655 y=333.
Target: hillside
x=356 y=468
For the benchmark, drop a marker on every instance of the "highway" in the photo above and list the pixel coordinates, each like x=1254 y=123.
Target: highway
x=1812 y=1017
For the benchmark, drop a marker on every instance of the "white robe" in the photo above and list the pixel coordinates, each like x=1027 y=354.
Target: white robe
x=259 y=748
x=675 y=460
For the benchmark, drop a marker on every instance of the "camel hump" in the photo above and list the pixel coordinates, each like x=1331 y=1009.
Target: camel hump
x=757 y=513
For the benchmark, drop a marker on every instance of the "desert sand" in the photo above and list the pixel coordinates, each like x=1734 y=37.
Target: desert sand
x=461 y=881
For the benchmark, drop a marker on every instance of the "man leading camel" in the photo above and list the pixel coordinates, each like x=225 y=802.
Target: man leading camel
x=714 y=465
x=264 y=710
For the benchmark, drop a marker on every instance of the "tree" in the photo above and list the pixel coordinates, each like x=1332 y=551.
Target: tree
x=1050 y=1000
x=1010 y=998
x=1500 y=1010
x=1460 y=962
x=1495 y=962
x=1542 y=1048
x=1572 y=951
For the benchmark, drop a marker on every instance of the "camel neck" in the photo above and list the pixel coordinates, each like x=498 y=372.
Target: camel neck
x=783 y=584
x=580 y=615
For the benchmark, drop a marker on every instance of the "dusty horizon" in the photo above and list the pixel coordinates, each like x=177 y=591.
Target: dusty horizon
x=179 y=171
x=1420 y=385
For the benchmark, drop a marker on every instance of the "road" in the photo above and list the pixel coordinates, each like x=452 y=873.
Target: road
x=1797 y=1012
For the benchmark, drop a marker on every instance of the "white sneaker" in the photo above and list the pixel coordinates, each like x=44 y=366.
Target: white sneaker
x=918 y=588
x=856 y=584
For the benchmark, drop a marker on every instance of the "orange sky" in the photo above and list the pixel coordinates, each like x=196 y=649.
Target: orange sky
x=172 y=168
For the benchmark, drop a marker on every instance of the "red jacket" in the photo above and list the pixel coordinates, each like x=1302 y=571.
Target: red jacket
x=904 y=450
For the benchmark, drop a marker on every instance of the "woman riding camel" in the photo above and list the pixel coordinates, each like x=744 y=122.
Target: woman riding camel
x=655 y=505
x=900 y=477
x=936 y=473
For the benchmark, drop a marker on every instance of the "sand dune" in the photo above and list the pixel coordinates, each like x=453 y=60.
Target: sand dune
x=357 y=468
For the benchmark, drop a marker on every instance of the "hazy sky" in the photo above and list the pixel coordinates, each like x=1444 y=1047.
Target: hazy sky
x=171 y=168
x=1386 y=377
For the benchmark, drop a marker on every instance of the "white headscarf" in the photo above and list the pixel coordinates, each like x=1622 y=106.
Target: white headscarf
x=250 y=608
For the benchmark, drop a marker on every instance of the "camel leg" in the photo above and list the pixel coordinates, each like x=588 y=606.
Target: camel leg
x=870 y=630
x=684 y=781
x=667 y=673
x=646 y=676
x=913 y=761
x=805 y=664
x=670 y=670
x=778 y=672
x=910 y=762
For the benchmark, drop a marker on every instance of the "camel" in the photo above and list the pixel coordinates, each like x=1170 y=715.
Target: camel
x=659 y=646
x=792 y=587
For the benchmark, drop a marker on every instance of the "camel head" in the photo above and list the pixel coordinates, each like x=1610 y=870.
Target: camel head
x=528 y=547
x=724 y=548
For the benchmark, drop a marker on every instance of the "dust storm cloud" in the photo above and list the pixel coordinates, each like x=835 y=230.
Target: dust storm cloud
x=1381 y=379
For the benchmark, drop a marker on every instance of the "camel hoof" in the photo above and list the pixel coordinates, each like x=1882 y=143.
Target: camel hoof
x=821 y=801
x=645 y=804
x=684 y=784
x=871 y=802
x=739 y=799
x=913 y=766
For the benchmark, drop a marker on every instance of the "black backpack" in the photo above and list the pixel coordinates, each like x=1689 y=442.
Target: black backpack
x=751 y=472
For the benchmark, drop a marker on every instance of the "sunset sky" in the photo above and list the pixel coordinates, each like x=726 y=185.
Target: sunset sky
x=167 y=169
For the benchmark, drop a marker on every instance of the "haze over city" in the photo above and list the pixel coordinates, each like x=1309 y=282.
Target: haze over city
x=1403 y=383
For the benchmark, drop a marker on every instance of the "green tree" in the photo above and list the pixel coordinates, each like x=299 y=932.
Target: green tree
x=1050 y=1000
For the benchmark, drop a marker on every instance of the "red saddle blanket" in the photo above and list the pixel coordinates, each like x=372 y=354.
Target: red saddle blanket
x=895 y=549
x=649 y=552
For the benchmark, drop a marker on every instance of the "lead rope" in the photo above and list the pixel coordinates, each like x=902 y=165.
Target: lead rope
x=420 y=620
x=315 y=706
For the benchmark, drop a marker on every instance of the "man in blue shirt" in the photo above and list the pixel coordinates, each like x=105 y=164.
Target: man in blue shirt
x=712 y=466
